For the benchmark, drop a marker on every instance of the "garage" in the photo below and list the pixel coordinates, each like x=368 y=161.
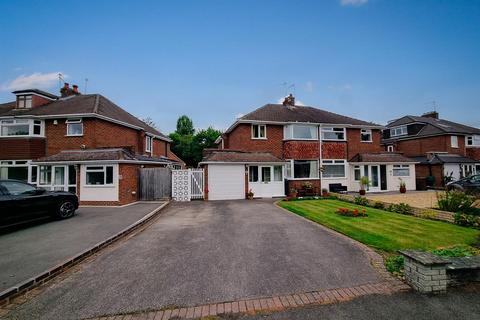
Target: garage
x=226 y=181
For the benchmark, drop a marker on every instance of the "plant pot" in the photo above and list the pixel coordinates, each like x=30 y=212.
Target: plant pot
x=362 y=192
x=403 y=190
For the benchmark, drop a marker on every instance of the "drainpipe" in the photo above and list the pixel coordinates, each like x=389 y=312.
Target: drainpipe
x=320 y=174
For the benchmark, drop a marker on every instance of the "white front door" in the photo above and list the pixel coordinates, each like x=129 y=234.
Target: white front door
x=373 y=174
x=266 y=181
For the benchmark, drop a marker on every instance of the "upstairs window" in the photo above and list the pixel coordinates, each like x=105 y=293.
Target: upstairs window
x=74 y=127
x=473 y=141
x=398 y=131
x=24 y=102
x=259 y=131
x=21 y=127
x=300 y=132
x=335 y=134
x=454 y=141
x=366 y=135
x=148 y=143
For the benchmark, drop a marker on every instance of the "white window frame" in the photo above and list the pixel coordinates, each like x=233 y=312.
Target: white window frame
x=327 y=162
x=148 y=143
x=359 y=169
x=398 y=131
x=104 y=170
x=473 y=141
x=364 y=132
x=259 y=126
x=22 y=101
x=334 y=129
x=17 y=163
x=74 y=121
x=397 y=168
x=31 y=125
x=390 y=148
x=288 y=132
x=454 y=141
x=290 y=170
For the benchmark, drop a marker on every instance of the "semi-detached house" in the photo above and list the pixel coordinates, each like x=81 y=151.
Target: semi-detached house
x=279 y=147
x=85 y=144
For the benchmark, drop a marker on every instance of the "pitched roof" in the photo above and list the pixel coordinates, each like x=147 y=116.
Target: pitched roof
x=239 y=156
x=114 y=154
x=281 y=113
x=78 y=105
x=441 y=158
x=40 y=92
x=381 y=157
x=434 y=126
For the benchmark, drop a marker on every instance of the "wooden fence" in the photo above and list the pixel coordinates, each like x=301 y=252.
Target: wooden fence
x=155 y=184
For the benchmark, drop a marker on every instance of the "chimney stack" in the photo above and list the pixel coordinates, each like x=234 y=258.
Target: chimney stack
x=431 y=114
x=67 y=91
x=75 y=89
x=289 y=101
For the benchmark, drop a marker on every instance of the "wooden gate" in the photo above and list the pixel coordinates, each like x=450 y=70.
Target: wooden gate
x=187 y=184
x=155 y=184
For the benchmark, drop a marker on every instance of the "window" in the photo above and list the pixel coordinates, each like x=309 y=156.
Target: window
x=454 y=141
x=333 y=168
x=266 y=174
x=366 y=135
x=21 y=127
x=259 y=131
x=24 y=102
x=300 y=132
x=390 y=148
x=74 y=127
x=18 y=188
x=277 y=173
x=333 y=134
x=305 y=169
x=45 y=175
x=253 y=174
x=402 y=170
x=12 y=169
x=398 y=131
x=473 y=141
x=288 y=169
x=357 y=173
x=148 y=143
x=99 y=175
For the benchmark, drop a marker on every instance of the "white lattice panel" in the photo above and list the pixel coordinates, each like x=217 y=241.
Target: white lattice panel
x=181 y=185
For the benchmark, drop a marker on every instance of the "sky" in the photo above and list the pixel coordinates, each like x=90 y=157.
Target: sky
x=375 y=60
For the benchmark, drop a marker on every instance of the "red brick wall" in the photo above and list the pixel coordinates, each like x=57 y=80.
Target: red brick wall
x=422 y=171
x=160 y=148
x=240 y=139
x=355 y=145
x=334 y=150
x=39 y=101
x=58 y=141
x=301 y=150
x=298 y=184
x=473 y=153
x=21 y=148
x=109 y=134
x=128 y=183
x=418 y=147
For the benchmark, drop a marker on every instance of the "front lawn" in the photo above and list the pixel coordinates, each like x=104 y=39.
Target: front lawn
x=384 y=230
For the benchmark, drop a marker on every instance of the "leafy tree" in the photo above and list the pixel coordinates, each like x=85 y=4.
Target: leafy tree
x=185 y=126
x=204 y=139
x=150 y=122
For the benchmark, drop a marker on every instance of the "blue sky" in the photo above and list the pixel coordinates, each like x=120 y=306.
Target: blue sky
x=213 y=60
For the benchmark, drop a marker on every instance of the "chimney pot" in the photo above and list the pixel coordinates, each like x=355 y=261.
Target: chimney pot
x=289 y=101
x=75 y=88
x=431 y=114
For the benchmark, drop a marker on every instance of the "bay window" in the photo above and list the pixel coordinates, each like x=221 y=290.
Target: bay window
x=99 y=175
x=74 y=127
x=21 y=128
x=366 y=135
x=305 y=169
x=300 y=132
x=401 y=170
x=333 y=168
x=335 y=134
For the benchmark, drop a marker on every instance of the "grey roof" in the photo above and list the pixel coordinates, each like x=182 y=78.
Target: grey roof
x=434 y=126
x=441 y=158
x=239 y=156
x=281 y=113
x=114 y=154
x=41 y=92
x=381 y=157
x=78 y=105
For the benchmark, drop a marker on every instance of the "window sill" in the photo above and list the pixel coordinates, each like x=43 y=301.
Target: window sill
x=30 y=136
x=301 y=179
x=258 y=138
x=331 y=140
x=334 y=178
x=474 y=146
x=366 y=141
x=98 y=186
x=74 y=135
x=297 y=139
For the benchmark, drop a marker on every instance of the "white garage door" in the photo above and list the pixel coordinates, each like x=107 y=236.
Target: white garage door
x=226 y=182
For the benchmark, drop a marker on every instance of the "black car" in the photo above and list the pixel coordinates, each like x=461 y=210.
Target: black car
x=469 y=184
x=23 y=202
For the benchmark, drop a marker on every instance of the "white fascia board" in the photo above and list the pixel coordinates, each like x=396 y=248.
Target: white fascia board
x=241 y=162
x=98 y=161
x=377 y=163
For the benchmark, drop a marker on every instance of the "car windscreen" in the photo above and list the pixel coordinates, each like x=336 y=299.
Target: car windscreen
x=15 y=188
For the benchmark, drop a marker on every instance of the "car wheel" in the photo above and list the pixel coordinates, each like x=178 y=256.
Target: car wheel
x=66 y=209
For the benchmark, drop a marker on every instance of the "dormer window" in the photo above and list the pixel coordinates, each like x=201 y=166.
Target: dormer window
x=74 y=127
x=398 y=131
x=24 y=102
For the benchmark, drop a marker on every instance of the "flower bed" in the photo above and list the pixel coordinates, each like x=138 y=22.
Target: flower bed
x=352 y=213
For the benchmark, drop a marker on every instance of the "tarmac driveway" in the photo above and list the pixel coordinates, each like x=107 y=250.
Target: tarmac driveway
x=201 y=252
x=32 y=249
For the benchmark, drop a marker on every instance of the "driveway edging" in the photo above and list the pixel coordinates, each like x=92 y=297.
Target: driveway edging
x=7 y=295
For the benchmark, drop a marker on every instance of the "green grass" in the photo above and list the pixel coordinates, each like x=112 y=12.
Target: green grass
x=384 y=230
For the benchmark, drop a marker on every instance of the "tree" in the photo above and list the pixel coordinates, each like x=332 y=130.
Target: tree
x=204 y=139
x=149 y=121
x=185 y=126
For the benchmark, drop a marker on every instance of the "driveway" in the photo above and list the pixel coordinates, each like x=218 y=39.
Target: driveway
x=205 y=252
x=31 y=250
x=417 y=199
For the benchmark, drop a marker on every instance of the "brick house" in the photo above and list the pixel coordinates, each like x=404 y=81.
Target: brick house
x=442 y=148
x=280 y=147
x=85 y=144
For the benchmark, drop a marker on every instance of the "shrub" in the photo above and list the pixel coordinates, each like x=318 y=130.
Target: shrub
x=394 y=264
x=455 y=201
x=401 y=208
x=457 y=251
x=361 y=201
x=379 y=205
x=466 y=220
x=428 y=214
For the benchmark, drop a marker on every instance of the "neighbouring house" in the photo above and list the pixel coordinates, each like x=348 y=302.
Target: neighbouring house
x=445 y=150
x=280 y=148
x=84 y=144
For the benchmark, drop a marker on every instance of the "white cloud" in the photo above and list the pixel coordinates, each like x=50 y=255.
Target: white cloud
x=35 y=80
x=353 y=3
x=309 y=86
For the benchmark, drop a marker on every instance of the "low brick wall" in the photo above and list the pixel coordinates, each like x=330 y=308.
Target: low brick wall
x=418 y=212
x=425 y=272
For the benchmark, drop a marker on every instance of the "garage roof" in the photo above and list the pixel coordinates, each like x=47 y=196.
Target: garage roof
x=388 y=157
x=238 y=156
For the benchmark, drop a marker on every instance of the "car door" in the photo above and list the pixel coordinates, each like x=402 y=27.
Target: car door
x=7 y=216
x=27 y=202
